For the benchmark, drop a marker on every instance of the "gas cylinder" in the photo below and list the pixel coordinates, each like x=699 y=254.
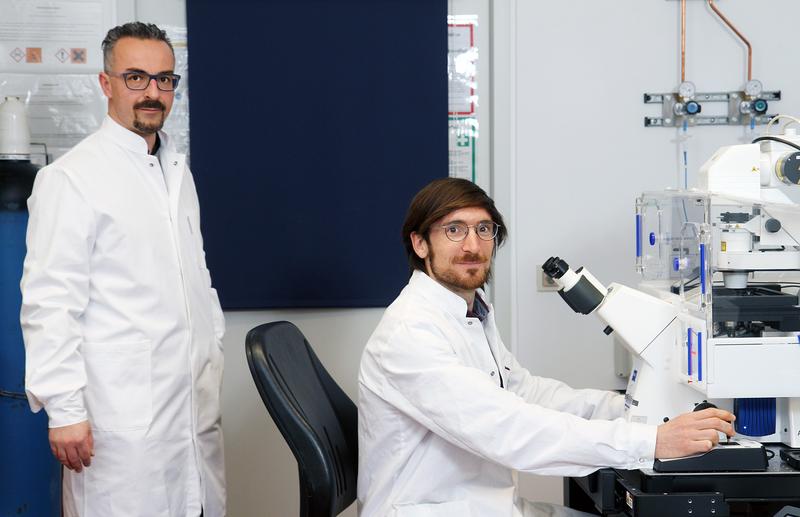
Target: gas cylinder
x=31 y=477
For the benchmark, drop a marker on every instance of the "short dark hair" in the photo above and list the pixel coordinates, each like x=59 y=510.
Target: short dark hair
x=136 y=30
x=437 y=199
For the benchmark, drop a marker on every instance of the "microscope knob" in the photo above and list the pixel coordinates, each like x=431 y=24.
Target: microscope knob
x=703 y=405
x=788 y=168
x=772 y=225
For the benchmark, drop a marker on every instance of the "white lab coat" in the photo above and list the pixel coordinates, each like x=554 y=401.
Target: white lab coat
x=439 y=436
x=123 y=328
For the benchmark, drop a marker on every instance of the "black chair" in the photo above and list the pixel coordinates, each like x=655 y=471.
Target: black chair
x=316 y=418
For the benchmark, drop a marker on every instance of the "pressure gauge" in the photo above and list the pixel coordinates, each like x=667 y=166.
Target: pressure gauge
x=686 y=90
x=753 y=88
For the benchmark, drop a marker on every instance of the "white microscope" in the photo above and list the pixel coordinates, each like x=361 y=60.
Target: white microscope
x=716 y=319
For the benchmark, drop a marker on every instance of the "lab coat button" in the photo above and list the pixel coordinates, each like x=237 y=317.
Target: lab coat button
x=642 y=460
x=174 y=163
x=151 y=164
x=469 y=323
x=492 y=374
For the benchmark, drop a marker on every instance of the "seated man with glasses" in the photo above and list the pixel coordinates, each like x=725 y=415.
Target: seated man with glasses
x=122 y=328
x=446 y=414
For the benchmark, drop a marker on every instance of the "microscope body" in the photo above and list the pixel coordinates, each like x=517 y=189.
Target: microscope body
x=716 y=317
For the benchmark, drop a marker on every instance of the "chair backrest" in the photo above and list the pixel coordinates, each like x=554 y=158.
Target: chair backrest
x=316 y=418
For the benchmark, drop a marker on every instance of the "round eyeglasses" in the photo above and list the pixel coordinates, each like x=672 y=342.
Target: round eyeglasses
x=457 y=232
x=141 y=80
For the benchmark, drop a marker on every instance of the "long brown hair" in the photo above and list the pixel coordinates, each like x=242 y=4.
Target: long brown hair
x=437 y=199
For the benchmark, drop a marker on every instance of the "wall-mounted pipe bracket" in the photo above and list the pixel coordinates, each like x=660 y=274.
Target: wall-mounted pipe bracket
x=743 y=109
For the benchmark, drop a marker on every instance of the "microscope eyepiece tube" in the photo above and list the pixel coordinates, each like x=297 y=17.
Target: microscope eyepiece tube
x=559 y=271
x=582 y=291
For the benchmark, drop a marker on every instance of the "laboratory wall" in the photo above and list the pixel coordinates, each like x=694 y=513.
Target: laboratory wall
x=570 y=83
x=569 y=155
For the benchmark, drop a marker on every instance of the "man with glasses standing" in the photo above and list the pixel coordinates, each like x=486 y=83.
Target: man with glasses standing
x=446 y=414
x=122 y=327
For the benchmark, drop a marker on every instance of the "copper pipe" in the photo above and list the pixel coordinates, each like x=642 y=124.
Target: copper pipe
x=683 y=40
x=734 y=29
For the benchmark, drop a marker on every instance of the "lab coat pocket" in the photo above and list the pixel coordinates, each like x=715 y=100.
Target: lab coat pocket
x=448 y=509
x=118 y=392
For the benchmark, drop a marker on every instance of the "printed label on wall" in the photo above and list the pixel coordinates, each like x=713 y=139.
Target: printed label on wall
x=42 y=36
x=461 y=140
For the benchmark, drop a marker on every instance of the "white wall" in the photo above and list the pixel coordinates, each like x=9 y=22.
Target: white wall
x=569 y=154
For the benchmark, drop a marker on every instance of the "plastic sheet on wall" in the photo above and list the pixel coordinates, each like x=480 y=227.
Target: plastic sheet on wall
x=177 y=124
x=62 y=109
x=462 y=60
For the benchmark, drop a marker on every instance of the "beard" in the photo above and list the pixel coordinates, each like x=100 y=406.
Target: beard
x=470 y=280
x=148 y=128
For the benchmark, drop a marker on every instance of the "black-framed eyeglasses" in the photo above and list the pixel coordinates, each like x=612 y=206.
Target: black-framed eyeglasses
x=457 y=232
x=141 y=80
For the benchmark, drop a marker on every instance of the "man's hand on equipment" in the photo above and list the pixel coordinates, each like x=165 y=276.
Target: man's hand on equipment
x=692 y=433
x=73 y=445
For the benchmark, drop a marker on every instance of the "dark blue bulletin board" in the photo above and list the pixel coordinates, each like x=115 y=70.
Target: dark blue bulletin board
x=313 y=123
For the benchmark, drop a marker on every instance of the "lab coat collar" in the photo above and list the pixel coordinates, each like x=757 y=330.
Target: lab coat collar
x=128 y=139
x=440 y=295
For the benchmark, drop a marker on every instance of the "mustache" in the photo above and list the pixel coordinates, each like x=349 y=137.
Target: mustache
x=150 y=104
x=471 y=257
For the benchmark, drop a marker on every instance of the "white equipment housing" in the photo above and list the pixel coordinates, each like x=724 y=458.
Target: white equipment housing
x=716 y=317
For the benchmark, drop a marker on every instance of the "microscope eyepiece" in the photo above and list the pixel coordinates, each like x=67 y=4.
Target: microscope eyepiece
x=555 y=267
